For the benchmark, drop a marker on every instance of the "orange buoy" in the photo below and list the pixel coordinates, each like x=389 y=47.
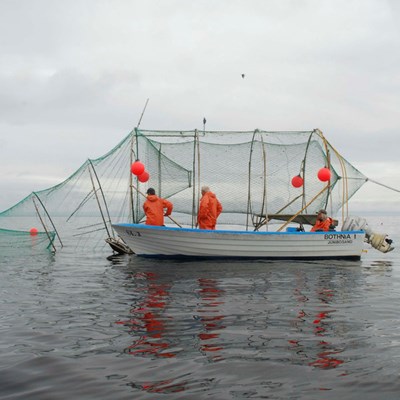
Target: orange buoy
x=297 y=181
x=324 y=174
x=144 y=177
x=137 y=168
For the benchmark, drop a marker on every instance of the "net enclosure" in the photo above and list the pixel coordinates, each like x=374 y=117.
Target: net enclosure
x=260 y=177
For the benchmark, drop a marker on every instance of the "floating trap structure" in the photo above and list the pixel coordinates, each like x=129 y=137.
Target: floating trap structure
x=260 y=177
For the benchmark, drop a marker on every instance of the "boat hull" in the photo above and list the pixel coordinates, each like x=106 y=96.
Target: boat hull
x=157 y=241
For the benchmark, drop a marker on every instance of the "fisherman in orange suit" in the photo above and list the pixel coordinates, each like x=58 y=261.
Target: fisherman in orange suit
x=323 y=222
x=154 y=208
x=209 y=210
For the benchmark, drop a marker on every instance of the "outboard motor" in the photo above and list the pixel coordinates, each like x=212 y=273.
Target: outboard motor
x=379 y=241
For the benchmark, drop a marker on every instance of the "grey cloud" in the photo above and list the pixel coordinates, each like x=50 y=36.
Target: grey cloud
x=80 y=72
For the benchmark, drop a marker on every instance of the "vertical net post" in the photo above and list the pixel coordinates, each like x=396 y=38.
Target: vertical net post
x=249 y=210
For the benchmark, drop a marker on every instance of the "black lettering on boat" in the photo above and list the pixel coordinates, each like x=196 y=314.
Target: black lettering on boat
x=132 y=233
x=340 y=241
x=337 y=236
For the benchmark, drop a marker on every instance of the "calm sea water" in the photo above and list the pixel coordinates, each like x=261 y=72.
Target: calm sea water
x=80 y=326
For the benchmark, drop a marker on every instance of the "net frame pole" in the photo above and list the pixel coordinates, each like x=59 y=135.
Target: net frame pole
x=278 y=212
x=345 y=183
x=299 y=212
x=196 y=157
x=44 y=226
x=249 y=209
x=159 y=171
x=264 y=206
x=144 y=109
x=136 y=218
x=140 y=192
x=131 y=215
x=197 y=200
x=194 y=180
x=303 y=171
x=328 y=164
x=98 y=200
x=48 y=216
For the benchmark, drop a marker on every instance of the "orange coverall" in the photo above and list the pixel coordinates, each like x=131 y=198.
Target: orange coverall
x=154 y=210
x=209 y=210
x=322 y=225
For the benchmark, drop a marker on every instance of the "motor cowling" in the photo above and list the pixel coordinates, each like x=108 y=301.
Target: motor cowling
x=379 y=241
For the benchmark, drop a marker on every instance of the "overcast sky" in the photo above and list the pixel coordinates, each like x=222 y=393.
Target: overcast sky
x=75 y=75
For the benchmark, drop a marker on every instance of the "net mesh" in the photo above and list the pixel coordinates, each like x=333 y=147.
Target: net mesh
x=14 y=241
x=250 y=172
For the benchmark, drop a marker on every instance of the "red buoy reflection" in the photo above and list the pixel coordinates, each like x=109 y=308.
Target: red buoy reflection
x=210 y=317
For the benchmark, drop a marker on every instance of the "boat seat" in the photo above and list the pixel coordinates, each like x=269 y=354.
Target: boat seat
x=307 y=219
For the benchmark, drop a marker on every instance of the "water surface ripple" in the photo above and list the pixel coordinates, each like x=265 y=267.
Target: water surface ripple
x=77 y=325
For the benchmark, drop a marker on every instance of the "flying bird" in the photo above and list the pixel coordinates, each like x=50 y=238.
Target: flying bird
x=243 y=76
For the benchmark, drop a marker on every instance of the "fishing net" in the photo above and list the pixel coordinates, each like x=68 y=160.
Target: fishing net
x=250 y=172
x=15 y=241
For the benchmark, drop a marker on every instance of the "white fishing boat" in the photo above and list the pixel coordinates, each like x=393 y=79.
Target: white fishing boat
x=270 y=177
x=161 y=241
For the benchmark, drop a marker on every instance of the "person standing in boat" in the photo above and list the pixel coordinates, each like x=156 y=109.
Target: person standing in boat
x=323 y=222
x=209 y=210
x=154 y=208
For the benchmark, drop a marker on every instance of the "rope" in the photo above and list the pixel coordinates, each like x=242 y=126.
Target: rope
x=386 y=186
x=345 y=194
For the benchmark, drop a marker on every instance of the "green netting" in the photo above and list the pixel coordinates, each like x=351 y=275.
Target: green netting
x=250 y=172
x=17 y=240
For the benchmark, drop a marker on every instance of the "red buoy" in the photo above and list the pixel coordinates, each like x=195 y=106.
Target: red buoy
x=137 y=168
x=297 y=181
x=33 y=231
x=144 y=177
x=324 y=174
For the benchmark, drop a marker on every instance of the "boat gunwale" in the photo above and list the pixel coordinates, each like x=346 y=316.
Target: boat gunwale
x=223 y=231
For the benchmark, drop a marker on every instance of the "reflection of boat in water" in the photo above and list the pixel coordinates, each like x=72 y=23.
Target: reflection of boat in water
x=147 y=240
x=148 y=322
x=211 y=318
x=322 y=354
